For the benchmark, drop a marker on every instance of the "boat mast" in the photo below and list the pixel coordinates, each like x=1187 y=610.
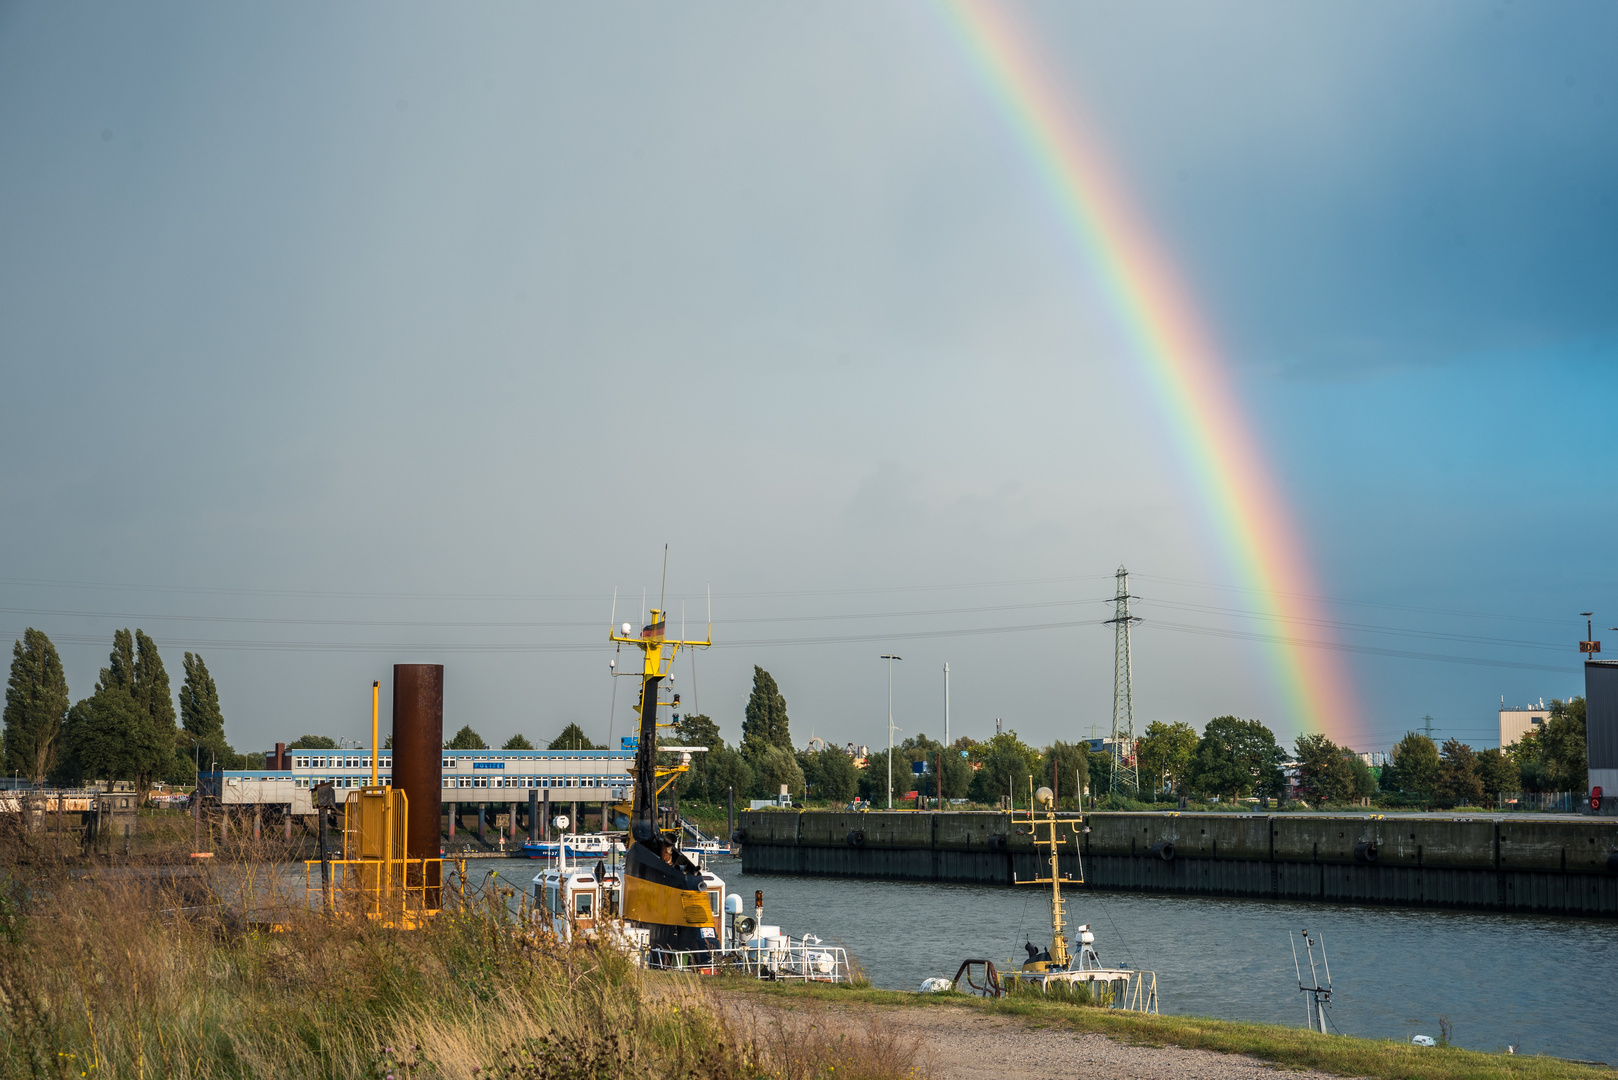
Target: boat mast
x=658 y=652
x=1045 y=797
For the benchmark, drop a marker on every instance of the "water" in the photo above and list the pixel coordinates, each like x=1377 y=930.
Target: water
x=1531 y=981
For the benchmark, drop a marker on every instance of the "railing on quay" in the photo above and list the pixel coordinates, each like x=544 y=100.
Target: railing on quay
x=794 y=961
x=1564 y=802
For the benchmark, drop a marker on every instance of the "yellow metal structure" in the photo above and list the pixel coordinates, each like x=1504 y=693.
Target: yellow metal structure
x=375 y=877
x=1060 y=957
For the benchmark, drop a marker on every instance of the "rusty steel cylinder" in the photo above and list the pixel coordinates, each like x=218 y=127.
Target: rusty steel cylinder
x=418 y=763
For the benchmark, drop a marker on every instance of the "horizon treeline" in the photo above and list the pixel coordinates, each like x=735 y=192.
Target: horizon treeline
x=129 y=729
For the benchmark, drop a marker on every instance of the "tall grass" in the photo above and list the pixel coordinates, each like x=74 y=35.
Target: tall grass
x=129 y=972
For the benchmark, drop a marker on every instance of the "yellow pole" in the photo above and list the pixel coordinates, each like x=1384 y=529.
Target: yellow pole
x=376 y=694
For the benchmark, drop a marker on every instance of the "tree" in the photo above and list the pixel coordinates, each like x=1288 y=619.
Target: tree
x=830 y=774
x=1067 y=768
x=109 y=736
x=517 y=742
x=773 y=767
x=1416 y=758
x=1007 y=765
x=571 y=738
x=1234 y=757
x=1458 y=782
x=765 y=722
x=317 y=742
x=36 y=707
x=1164 y=753
x=1554 y=757
x=1100 y=774
x=727 y=770
x=695 y=729
x=125 y=730
x=1364 y=778
x=1497 y=772
x=1388 y=778
x=1324 y=773
x=957 y=774
x=151 y=686
x=874 y=778
x=200 y=715
x=466 y=739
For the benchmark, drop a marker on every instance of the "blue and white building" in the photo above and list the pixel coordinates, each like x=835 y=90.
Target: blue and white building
x=470 y=776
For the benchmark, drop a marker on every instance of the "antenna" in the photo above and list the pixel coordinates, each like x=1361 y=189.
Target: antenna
x=612 y=623
x=663 y=592
x=1125 y=776
x=1319 y=996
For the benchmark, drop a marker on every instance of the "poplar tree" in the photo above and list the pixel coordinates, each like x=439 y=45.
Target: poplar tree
x=36 y=707
x=765 y=723
x=125 y=730
x=200 y=714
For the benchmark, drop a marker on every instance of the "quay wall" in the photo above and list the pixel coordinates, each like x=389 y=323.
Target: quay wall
x=1491 y=863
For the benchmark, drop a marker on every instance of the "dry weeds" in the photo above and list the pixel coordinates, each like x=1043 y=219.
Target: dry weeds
x=225 y=972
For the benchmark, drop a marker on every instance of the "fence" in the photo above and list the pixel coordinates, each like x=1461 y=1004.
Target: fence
x=1566 y=802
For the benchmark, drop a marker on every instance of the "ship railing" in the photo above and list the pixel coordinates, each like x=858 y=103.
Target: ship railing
x=1129 y=989
x=795 y=961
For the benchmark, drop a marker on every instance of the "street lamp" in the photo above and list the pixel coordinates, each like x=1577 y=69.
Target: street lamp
x=890 y=659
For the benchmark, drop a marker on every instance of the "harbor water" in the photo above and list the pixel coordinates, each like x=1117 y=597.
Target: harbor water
x=1532 y=982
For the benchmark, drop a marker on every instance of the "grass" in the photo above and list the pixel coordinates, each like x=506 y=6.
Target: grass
x=1287 y=1047
x=222 y=971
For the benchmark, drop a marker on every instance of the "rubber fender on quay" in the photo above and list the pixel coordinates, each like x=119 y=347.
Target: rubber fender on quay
x=739 y=836
x=856 y=838
x=998 y=842
x=1365 y=851
x=1164 y=849
x=1612 y=862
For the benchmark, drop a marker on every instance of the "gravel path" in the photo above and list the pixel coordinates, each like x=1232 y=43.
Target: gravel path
x=964 y=1046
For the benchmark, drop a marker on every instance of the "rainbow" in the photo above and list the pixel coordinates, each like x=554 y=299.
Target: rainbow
x=1180 y=360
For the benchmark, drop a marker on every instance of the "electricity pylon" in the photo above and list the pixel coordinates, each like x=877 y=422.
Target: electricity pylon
x=1125 y=772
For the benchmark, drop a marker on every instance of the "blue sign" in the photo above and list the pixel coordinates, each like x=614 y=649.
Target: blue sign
x=629 y=742
x=488 y=764
x=919 y=767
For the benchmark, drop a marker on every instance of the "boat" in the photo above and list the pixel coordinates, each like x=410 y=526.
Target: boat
x=1056 y=968
x=650 y=893
x=576 y=846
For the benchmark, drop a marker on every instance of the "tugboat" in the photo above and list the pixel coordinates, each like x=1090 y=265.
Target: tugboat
x=1127 y=988
x=654 y=900
x=1055 y=967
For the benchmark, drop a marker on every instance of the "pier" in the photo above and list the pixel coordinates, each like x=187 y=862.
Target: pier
x=1484 y=861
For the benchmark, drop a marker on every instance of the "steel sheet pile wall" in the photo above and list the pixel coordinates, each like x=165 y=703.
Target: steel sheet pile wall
x=1513 y=864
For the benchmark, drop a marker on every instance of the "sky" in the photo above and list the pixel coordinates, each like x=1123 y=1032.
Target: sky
x=340 y=336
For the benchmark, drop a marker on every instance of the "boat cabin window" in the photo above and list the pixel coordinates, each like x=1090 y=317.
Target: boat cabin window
x=583 y=904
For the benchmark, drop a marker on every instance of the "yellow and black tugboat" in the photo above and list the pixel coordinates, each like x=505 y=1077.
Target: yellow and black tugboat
x=664 y=893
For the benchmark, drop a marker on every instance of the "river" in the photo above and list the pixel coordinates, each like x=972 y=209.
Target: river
x=1537 y=983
